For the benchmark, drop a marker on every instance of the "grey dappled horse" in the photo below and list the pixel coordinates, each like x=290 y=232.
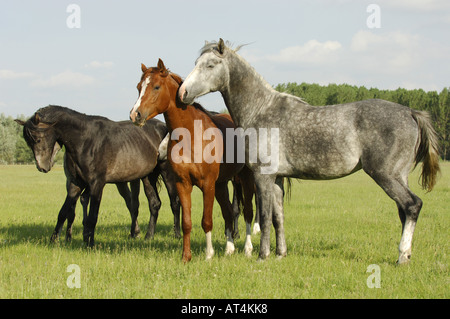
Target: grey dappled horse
x=385 y=139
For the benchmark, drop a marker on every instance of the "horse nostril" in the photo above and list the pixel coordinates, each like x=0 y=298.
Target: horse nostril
x=185 y=93
x=138 y=115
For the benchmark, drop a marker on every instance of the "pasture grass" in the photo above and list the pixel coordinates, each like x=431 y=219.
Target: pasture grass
x=334 y=231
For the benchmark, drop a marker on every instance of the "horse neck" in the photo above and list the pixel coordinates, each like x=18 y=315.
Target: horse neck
x=247 y=94
x=178 y=115
x=69 y=131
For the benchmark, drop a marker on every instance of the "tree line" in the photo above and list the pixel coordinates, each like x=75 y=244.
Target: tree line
x=437 y=104
x=14 y=150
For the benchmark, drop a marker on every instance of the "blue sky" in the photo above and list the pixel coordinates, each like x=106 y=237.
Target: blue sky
x=95 y=68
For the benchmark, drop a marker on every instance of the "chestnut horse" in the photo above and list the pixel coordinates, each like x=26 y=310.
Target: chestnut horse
x=158 y=94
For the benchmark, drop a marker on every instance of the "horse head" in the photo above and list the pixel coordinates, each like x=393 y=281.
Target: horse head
x=155 y=92
x=41 y=138
x=209 y=75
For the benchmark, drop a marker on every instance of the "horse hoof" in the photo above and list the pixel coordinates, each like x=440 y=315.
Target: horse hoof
x=263 y=257
x=229 y=250
x=281 y=254
x=248 y=248
x=404 y=259
x=256 y=229
x=280 y=257
x=134 y=236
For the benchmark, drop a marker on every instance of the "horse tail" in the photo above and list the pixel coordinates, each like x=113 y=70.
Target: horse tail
x=428 y=150
x=287 y=190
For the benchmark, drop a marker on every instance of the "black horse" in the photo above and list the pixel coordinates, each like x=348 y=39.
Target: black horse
x=100 y=151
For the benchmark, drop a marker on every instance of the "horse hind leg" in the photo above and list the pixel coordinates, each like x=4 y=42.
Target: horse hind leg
x=409 y=206
x=154 y=202
x=128 y=197
x=222 y=197
x=169 y=179
x=278 y=217
x=408 y=215
x=235 y=204
x=248 y=186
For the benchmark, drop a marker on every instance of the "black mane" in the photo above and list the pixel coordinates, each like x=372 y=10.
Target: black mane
x=52 y=113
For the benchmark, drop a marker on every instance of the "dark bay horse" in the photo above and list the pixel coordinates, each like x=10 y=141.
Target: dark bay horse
x=384 y=139
x=193 y=162
x=98 y=151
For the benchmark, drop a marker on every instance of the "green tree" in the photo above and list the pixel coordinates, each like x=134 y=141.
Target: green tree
x=8 y=138
x=440 y=113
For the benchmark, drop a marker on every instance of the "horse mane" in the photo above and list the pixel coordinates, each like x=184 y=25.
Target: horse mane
x=51 y=115
x=177 y=78
x=213 y=46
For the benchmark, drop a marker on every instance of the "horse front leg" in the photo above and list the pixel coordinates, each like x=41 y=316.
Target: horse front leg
x=264 y=196
x=209 y=190
x=184 y=192
x=90 y=222
x=67 y=210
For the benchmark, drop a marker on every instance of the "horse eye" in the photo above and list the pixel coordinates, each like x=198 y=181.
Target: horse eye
x=156 y=87
x=210 y=66
x=38 y=140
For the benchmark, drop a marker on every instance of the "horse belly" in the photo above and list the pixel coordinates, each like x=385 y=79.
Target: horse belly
x=129 y=167
x=322 y=159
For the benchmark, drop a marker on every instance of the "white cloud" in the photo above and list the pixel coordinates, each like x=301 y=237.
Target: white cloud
x=11 y=75
x=388 y=52
x=416 y=5
x=99 y=65
x=378 y=58
x=312 y=51
x=64 y=79
x=366 y=40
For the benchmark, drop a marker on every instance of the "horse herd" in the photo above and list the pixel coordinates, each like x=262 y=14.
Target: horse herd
x=384 y=139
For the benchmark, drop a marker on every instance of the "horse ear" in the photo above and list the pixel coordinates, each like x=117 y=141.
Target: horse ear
x=221 y=46
x=20 y=122
x=143 y=68
x=37 y=118
x=162 y=68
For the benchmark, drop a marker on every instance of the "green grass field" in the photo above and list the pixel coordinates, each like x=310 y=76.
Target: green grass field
x=334 y=231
